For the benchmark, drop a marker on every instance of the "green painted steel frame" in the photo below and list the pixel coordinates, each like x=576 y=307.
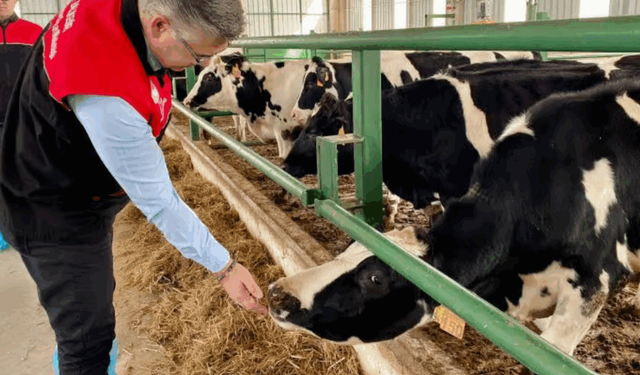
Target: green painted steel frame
x=616 y=34
x=620 y=34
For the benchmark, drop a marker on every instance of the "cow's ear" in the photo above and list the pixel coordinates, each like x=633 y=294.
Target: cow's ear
x=236 y=70
x=324 y=76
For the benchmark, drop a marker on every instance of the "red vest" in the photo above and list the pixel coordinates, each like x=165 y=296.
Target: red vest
x=21 y=32
x=87 y=52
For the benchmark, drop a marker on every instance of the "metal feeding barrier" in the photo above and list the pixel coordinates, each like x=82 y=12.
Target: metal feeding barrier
x=620 y=34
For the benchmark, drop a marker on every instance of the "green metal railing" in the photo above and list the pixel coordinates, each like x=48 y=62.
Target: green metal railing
x=621 y=34
x=292 y=185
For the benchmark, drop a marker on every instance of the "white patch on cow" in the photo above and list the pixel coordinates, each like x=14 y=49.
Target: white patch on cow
x=543 y=324
x=622 y=252
x=392 y=63
x=517 y=55
x=574 y=315
x=634 y=260
x=476 y=126
x=540 y=292
x=517 y=125
x=427 y=318
x=307 y=284
x=316 y=109
x=607 y=65
x=479 y=56
x=630 y=106
x=600 y=191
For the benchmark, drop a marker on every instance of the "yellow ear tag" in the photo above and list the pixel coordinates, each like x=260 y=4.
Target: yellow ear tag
x=319 y=83
x=326 y=76
x=341 y=131
x=449 y=322
x=235 y=71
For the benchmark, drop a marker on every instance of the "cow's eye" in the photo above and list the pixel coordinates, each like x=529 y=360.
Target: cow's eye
x=376 y=280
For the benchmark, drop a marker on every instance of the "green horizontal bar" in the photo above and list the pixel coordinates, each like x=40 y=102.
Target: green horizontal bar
x=288 y=182
x=450 y=15
x=246 y=143
x=613 y=34
x=214 y=114
x=530 y=349
x=568 y=57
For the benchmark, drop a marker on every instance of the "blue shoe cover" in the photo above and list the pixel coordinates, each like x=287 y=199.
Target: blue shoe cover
x=113 y=355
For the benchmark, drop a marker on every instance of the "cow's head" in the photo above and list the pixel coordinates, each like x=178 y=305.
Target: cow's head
x=319 y=78
x=331 y=117
x=217 y=83
x=355 y=298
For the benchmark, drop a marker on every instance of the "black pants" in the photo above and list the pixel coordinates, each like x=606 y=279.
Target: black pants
x=75 y=285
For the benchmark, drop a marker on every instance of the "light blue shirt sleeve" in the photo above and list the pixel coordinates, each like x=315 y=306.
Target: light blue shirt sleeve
x=124 y=142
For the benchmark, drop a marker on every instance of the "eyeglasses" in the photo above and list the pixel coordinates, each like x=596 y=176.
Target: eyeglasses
x=198 y=58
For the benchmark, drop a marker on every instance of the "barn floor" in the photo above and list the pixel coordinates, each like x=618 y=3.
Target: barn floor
x=612 y=346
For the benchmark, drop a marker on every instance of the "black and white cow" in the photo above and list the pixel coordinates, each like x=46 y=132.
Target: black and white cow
x=262 y=93
x=548 y=230
x=398 y=68
x=435 y=130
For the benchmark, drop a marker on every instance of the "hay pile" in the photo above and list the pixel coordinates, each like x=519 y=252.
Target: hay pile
x=200 y=329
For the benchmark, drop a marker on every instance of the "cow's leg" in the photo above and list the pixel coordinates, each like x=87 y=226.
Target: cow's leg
x=432 y=211
x=574 y=315
x=205 y=136
x=391 y=203
x=241 y=129
x=280 y=142
x=543 y=324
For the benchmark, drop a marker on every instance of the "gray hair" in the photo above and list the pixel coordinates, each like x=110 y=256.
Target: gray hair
x=224 y=18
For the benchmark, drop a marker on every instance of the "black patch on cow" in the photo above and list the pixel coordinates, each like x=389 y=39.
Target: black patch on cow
x=306 y=66
x=359 y=300
x=430 y=63
x=291 y=134
x=252 y=97
x=209 y=85
x=274 y=107
x=405 y=77
x=280 y=64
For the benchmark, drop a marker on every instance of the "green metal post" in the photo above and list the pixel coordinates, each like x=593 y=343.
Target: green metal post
x=367 y=122
x=543 y=16
x=327 y=168
x=313 y=51
x=327 y=156
x=294 y=186
x=191 y=81
x=532 y=9
x=503 y=330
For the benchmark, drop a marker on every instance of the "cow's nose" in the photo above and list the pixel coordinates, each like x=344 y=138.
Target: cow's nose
x=294 y=115
x=281 y=301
